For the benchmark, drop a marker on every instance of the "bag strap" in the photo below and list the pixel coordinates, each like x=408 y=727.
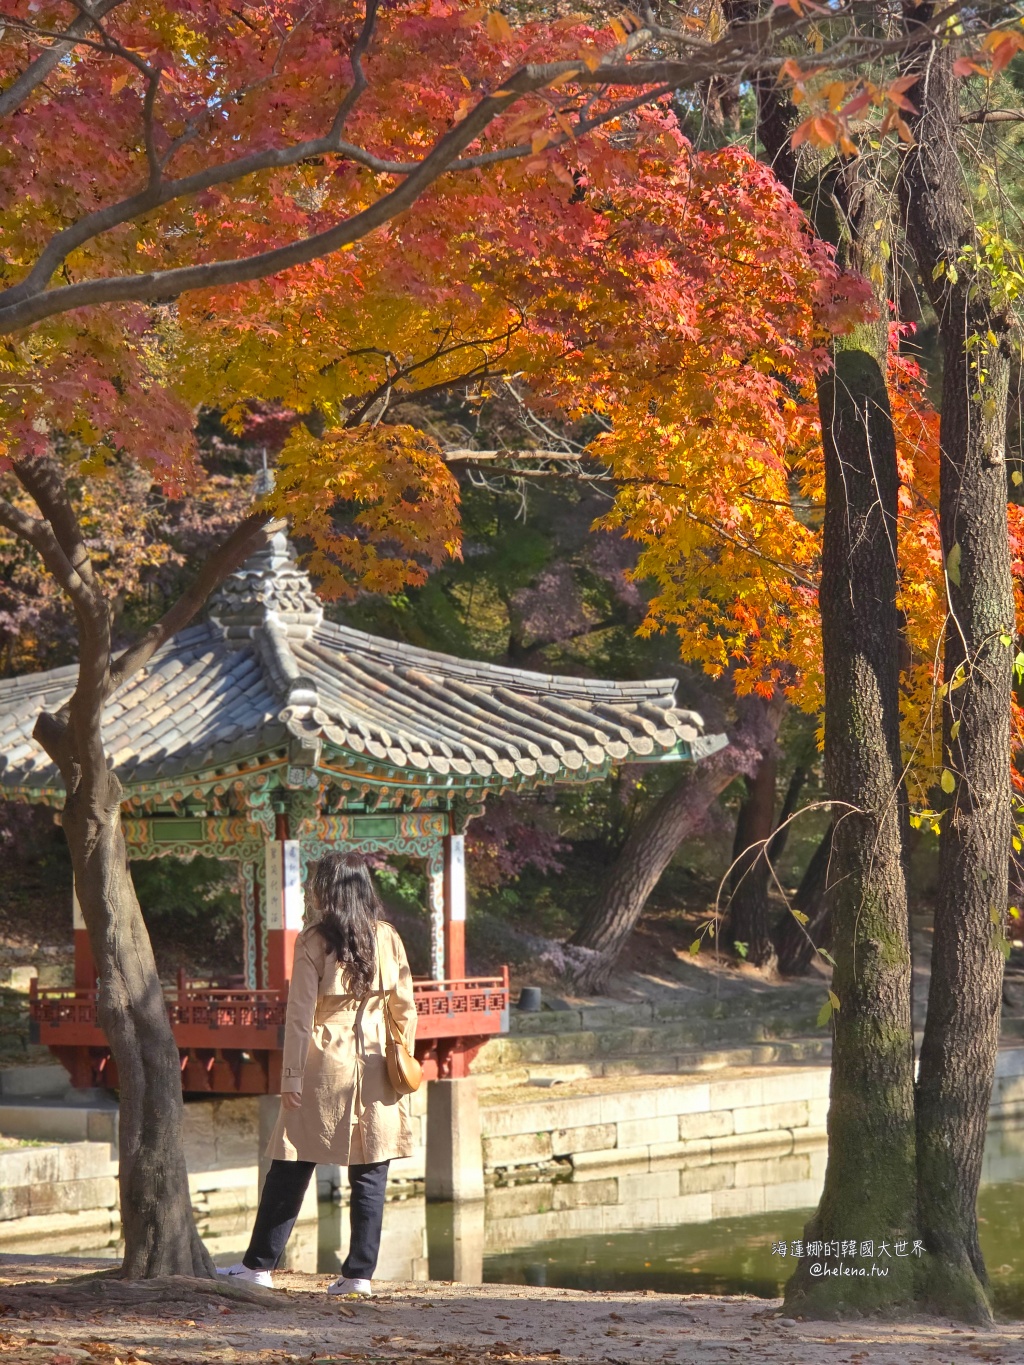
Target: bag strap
x=389 y=1023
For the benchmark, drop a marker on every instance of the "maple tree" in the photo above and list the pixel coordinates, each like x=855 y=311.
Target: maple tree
x=329 y=207
x=538 y=233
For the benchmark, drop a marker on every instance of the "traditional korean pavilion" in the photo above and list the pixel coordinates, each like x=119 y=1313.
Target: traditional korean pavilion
x=267 y=736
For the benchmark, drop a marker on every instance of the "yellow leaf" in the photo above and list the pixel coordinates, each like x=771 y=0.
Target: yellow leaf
x=947 y=781
x=954 y=729
x=618 y=30
x=825 y=1013
x=953 y=564
x=119 y=82
x=498 y=27
x=695 y=947
x=539 y=141
x=833 y=1000
x=1017 y=477
x=591 y=61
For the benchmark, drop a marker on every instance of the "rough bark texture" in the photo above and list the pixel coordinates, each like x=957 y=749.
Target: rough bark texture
x=870 y=1189
x=795 y=942
x=650 y=846
x=748 y=919
x=156 y=1208
x=962 y=1029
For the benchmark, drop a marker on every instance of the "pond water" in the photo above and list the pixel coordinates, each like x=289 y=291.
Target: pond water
x=625 y=1229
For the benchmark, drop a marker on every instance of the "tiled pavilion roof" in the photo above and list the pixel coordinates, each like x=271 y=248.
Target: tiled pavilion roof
x=268 y=676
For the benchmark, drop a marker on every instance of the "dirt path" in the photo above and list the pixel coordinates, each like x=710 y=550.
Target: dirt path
x=42 y=1324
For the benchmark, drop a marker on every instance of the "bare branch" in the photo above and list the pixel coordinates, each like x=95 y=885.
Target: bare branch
x=247 y=537
x=20 y=89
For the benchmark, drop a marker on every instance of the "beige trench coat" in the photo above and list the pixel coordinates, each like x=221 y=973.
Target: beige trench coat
x=334 y=1053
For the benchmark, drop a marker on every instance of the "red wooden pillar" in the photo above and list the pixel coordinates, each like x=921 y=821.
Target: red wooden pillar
x=85 y=963
x=452 y=1058
x=282 y=913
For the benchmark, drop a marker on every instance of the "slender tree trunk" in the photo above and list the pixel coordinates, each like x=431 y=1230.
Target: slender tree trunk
x=650 y=846
x=780 y=838
x=156 y=1208
x=962 y=1027
x=748 y=919
x=870 y=1186
x=795 y=942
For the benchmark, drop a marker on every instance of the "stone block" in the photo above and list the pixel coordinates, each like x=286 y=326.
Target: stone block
x=93 y=1228
x=45 y=1122
x=706 y=1179
x=518 y=1149
x=774 y=1170
x=741 y=1145
x=35 y=1081
x=796 y=1194
x=817 y=1112
x=102 y=1125
x=73 y=1196
x=547 y=1021
x=692 y=1152
x=15 y=1202
x=636 y=1132
x=516 y=1201
x=739 y=1202
x=770 y=1118
x=574 y=1194
x=711 y=1124
x=741 y=1093
x=648 y=1186
x=592 y=1138
x=18 y=978
x=682 y=1099
x=614 y=1156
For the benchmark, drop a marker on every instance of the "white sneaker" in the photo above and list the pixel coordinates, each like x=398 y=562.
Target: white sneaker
x=242 y=1272
x=351 y=1289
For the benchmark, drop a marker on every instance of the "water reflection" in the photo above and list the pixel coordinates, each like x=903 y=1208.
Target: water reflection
x=679 y=1229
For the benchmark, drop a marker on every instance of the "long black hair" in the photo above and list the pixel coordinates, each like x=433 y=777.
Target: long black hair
x=345 y=912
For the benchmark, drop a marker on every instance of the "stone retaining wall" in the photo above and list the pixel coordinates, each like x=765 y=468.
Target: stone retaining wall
x=697 y=1148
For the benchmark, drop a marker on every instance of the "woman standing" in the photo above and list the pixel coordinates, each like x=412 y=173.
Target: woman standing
x=337 y=1103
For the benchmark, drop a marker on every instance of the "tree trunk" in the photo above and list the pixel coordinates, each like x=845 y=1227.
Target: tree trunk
x=780 y=838
x=156 y=1208
x=159 y=1229
x=870 y=1189
x=650 y=846
x=748 y=918
x=962 y=1028
x=795 y=942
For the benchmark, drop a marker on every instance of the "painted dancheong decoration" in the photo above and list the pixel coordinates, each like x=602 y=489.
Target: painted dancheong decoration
x=267 y=736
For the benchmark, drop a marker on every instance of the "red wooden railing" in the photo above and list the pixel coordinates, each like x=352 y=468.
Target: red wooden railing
x=230 y=1038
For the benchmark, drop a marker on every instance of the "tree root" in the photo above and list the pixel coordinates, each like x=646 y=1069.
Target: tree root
x=106 y=1290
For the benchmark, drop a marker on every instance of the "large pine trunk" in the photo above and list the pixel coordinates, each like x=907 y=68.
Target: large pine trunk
x=748 y=920
x=870 y=1189
x=649 y=847
x=159 y=1229
x=962 y=1029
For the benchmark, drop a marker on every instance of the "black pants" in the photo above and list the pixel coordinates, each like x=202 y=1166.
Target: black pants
x=281 y=1200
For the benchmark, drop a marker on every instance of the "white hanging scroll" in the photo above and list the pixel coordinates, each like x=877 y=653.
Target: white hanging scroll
x=456 y=876
x=285 y=901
